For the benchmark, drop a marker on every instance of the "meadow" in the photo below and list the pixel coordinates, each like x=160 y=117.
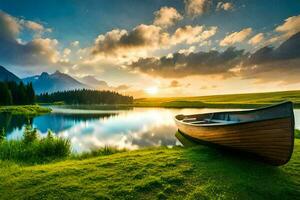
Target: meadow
x=249 y=100
x=195 y=172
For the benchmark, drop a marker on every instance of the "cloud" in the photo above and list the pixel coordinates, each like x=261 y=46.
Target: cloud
x=94 y=82
x=275 y=64
x=182 y=65
x=38 y=28
x=191 y=49
x=118 y=41
x=13 y=51
x=146 y=38
x=195 y=8
x=208 y=87
x=279 y=64
x=258 y=38
x=224 y=6
x=174 y=84
x=122 y=87
x=192 y=34
x=75 y=43
x=166 y=16
x=290 y=26
x=9 y=27
x=236 y=37
x=282 y=32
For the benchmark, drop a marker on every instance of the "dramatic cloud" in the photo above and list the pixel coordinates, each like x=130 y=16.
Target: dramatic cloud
x=256 y=39
x=195 y=8
x=35 y=52
x=181 y=65
x=119 y=41
x=275 y=64
x=224 y=6
x=9 y=27
x=279 y=64
x=166 y=16
x=236 y=37
x=144 y=38
x=290 y=27
x=189 y=34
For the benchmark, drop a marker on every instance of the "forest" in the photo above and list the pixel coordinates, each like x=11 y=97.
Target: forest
x=85 y=96
x=12 y=93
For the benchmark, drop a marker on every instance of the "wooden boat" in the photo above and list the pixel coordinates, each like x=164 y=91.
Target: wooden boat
x=265 y=132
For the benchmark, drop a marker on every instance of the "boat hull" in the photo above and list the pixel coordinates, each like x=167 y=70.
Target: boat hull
x=271 y=139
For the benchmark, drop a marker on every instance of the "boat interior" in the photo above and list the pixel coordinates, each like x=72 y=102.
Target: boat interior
x=208 y=120
x=223 y=118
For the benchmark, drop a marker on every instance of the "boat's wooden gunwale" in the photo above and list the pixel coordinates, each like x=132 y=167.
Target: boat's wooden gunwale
x=224 y=124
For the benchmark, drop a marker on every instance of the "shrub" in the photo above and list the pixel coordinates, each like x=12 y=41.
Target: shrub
x=297 y=133
x=30 y=134
x=32 y=149
x=2 y=134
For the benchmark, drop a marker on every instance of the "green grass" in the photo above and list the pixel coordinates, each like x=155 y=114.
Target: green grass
x=156 y=173
x=222 y=101
x=297 y=133
x=107 y=150
x=25 y=109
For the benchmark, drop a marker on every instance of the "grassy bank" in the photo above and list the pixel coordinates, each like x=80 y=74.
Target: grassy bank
x=158 y=173
x=32 y=148
x=250 y=100
x=25 y=109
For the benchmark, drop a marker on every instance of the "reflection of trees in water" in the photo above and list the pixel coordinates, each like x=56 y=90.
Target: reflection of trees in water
x=60 y=122
x=10 y=122
x=55 y=122
x=84 y=117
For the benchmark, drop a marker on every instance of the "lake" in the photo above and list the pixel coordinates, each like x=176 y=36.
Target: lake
x=91 y=129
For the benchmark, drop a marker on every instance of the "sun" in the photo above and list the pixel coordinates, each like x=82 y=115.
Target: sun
x=151 y=90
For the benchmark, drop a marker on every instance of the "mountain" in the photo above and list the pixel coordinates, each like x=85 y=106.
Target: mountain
x=94 y=82
x=54 y=82
x=6 y=75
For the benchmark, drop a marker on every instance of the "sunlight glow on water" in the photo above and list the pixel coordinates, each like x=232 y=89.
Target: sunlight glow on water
x=131 y=129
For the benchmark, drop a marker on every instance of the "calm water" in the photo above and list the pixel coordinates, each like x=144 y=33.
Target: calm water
x=89 y=129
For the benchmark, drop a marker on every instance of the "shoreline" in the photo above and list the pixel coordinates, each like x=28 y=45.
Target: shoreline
x=25 y=110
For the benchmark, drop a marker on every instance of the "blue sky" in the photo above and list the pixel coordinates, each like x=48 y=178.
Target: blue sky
x=84 y=20
x=132 y=58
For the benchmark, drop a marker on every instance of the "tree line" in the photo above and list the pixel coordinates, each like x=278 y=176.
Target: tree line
x=12 y=93
x=85 y=96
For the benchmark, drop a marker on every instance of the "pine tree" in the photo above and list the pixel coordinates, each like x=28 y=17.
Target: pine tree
x=30 y=94
x=5 y=94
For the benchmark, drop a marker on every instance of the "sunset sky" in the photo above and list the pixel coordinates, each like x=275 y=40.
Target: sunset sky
x=157 y=47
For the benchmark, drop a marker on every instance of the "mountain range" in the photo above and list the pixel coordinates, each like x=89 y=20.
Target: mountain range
x=54 y=82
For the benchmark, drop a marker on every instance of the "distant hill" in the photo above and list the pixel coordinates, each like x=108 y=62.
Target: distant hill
x=246 y=100
x=6 y=75
x=54 y=82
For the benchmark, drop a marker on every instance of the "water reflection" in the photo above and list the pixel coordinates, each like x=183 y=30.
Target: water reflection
x=88 y=129
x=131 y=130
x=10 y=122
